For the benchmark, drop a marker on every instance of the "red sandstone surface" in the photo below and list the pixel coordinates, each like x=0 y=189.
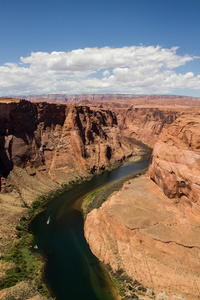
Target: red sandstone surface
x=150 y=237
x=175 y=163
x=151 y=229
x=146 y=118
x=153 y=238
x=61 y=141
x=45 y=145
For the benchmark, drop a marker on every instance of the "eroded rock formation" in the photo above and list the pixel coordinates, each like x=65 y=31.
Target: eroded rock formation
x=154 y=239
x=143 y=121
x=175 y=163
x=61 y=141
x=142 y=232
x=146 y=123
x=152 y=236
x=43 y=146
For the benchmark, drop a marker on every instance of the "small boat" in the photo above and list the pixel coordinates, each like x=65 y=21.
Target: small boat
x=48 y=220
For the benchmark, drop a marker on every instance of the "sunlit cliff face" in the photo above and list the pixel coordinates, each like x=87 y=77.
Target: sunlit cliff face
x=155 y=221
x=61 y=141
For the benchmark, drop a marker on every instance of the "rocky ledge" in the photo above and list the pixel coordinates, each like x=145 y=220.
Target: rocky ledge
x=175 y=162
x=146 y=123
x=142 y=232
x=150 y=229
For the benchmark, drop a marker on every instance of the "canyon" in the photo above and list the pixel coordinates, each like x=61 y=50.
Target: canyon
x=155 y=237
x=46 y=147
x=150 y=228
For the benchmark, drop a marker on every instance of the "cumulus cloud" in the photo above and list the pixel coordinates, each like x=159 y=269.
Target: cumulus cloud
x=106 y=73
x=135 y=69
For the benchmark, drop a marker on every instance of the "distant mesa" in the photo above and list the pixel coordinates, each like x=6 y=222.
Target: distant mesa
x=143 y=99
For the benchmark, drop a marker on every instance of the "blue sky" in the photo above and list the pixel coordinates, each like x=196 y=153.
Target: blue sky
x=129 y=46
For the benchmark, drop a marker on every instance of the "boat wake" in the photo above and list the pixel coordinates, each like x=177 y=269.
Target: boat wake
x=48 y=220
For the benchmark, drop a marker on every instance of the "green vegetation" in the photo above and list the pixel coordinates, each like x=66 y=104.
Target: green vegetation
x=27 y=267
x=127 y=287
x=97 y=198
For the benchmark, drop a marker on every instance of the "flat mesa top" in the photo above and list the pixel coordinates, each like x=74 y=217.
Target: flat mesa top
x=9 y=100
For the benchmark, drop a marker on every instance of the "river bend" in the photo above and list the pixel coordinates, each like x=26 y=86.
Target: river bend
x=72 y=272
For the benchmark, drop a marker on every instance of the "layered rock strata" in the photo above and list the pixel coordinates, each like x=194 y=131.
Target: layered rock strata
x=175 y=162
x=146 y=123
x=151 y=235
x=142 y=232
x=60 y=141
x=44 y=146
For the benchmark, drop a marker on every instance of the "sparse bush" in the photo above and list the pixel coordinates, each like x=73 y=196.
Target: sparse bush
x=99 y=197
x=142 y=288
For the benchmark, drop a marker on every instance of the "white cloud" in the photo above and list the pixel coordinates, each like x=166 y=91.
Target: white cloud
x=136 y=69
x=106 y=73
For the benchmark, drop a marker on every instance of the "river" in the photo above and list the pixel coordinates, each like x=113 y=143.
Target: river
x=72 y=272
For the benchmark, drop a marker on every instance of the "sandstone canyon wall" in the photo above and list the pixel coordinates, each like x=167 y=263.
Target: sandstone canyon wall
x=61 y=141
x=140 y=120
x=175 y=162
x=143 y=117
x=151 y=236
x=153 y=239
x=44 y=146
x=146 y=123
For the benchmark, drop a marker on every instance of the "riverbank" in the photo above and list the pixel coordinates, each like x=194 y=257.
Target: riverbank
x=63 y=238
x=99 y=196
x=25 y=266
x=142 y=233
x=124 y=284
x=19 y=262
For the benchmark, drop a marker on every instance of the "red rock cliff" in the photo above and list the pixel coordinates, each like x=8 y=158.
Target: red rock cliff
x=62 y=141
x=43 y=146
x=154 y=237
x=146 y=123
x=143 y=233
x=175 y=163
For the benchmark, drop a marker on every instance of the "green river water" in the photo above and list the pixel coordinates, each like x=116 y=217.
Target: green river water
x=72 y=272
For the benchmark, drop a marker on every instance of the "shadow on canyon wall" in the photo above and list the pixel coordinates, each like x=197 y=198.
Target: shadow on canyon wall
x=6 y=163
